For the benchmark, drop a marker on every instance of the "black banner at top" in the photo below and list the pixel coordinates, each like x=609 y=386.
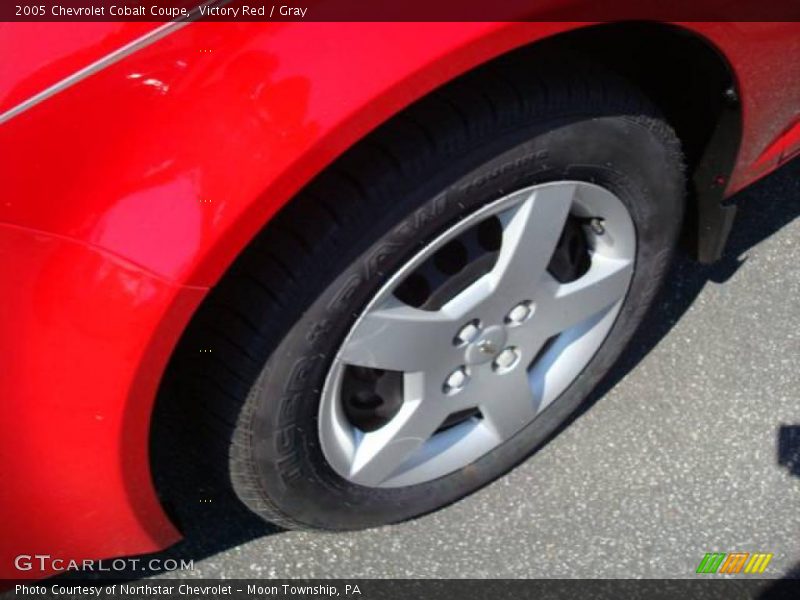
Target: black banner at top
x=399 y=10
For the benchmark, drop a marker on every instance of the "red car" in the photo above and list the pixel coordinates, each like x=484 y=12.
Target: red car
x=379 y=264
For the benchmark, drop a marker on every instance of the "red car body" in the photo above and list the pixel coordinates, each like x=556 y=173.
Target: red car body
x=129 y=189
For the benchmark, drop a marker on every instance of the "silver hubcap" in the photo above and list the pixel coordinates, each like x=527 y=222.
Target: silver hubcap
x=499 y=349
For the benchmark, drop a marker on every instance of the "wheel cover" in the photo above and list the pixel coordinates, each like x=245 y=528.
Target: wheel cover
x=502 y=349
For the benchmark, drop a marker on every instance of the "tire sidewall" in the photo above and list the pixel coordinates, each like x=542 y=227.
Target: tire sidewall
x=276 y=459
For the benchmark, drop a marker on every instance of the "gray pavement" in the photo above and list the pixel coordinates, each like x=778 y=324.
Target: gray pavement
x=694 y=447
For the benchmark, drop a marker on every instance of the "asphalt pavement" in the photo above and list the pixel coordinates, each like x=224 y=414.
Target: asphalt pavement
x=692 y=446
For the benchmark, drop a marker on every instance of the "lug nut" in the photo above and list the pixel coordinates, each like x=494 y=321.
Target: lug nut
x=519 y=313
x=596 y=225
x=506 y=360
x=456 y=381
x=468 y=333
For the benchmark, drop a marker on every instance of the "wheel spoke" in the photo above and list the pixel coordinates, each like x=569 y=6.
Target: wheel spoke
x=509 y=404
x=399 y=337
x=530 y=233
x=380 y=453
x=571 y=303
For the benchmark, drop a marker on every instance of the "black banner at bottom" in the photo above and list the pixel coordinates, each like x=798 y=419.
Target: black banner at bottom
x=410 y=589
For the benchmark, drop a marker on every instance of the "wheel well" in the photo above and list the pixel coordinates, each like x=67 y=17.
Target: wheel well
x=695 y=87
x=681 y=72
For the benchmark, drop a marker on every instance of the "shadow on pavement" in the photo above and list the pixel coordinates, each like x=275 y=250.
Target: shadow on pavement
x=789 y=448
x=788 y=455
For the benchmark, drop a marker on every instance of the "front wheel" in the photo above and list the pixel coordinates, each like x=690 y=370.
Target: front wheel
x=430 y=309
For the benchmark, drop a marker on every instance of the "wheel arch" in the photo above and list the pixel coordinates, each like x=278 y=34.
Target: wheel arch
x=699 y=95
x=682 y=71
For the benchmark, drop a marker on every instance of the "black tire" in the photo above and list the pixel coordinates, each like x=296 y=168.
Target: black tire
x=276 y=319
